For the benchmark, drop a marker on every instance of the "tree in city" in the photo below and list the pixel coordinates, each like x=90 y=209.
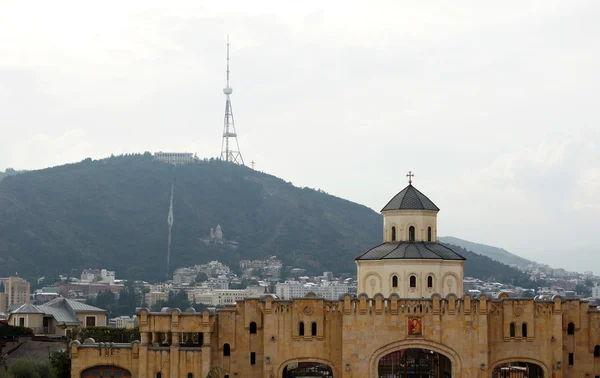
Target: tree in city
x=201 y=277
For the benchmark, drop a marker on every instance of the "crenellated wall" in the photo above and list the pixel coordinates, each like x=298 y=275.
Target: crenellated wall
x=352 y=334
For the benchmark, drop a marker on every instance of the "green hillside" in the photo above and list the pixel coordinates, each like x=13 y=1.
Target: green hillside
x=112 y=213
x=494 y=253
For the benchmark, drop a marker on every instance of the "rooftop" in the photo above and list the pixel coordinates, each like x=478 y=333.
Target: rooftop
x=410 y=250
x=410 y=198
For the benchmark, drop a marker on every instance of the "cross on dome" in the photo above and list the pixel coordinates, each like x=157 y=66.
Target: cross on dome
x=410 y=175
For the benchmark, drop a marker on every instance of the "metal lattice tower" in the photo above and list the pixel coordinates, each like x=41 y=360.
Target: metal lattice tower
x=227 y=152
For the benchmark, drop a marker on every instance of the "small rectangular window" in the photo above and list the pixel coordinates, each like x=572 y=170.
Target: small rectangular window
x=90 y=321
x=252 y=358
x=571 y=359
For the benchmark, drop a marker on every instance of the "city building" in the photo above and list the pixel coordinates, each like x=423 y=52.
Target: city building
x=154 y=297
x=596 y=291
x=123 y=322
x=329 y=290
x=176 y=157
x=16 y=290
x=56 y=316
x=217 y=297
x=410 y=319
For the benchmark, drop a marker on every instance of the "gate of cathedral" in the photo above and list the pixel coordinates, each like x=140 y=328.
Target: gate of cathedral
x=414 y=363
x=307 y=369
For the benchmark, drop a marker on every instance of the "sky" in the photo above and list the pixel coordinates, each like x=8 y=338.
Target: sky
x=493 y=105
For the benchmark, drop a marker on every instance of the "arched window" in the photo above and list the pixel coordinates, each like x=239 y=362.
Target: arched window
x=597 y=351
x=430 y=282
x=413 y=281
x=301 y=329
x=512 y=329
x=313 y=329
x=393 y=233
x=159 y=375
x=226 y=350
x=395 y=281
x=428 y=233
x=252 y=327
x=571 y=328
x=524 y=330
x=411 y=233
x=190 y=375
x=200 y=338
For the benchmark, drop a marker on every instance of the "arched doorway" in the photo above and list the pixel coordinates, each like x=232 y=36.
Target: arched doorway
x=414 y=363
x=307 y=369
x=105 y=371
x=518 y=370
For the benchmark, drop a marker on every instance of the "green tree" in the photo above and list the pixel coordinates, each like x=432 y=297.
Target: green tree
x=178 y=300
x=28 y=369
x=61 y=363
x=201 y=277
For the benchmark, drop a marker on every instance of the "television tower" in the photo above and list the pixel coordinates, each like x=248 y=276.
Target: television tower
x=227 y=152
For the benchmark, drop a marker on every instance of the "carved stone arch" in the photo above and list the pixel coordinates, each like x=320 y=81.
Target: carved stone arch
x=368 y=281
x=359 y=296
x=416 y=274
x=416 y=344
x=523 y=359
x=112 y=364
x=329 y=363
x=379 y=295
x=445 y=278
x=503 y=295
x=434 y=278
x=394 y=297
x=407 y=231
x=391 y=280
x=390 y=238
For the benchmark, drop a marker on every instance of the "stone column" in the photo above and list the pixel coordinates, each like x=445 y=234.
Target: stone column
x=144 y=342
x=174 y=355
x=206 y=363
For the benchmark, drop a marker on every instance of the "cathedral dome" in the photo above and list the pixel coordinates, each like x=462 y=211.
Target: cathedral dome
x=410 y=198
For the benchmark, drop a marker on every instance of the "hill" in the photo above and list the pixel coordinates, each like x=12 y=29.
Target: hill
x=112 y=213
x=494 y=253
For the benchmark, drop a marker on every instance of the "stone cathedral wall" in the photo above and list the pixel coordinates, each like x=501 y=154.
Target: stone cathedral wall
x=352 y=334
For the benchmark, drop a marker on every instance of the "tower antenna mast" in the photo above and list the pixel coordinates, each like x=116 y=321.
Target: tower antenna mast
x=227 y=152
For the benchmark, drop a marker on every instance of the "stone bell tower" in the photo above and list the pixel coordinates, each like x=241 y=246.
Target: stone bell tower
x=410 y=262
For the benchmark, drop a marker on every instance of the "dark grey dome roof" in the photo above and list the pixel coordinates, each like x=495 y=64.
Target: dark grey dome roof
x=410 y=199
x=410 y=250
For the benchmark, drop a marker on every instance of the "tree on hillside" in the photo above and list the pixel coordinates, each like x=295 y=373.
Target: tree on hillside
x=201 y=277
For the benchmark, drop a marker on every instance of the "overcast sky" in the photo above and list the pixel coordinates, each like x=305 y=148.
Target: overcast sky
x=493 y=105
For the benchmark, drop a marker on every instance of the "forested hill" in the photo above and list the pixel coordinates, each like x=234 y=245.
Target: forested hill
x=112 y=213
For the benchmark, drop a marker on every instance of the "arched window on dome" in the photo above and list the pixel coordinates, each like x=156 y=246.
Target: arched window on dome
x=429 y=282
x=301 y=329
x=313 y=329
x=395 y=281
x=393 y=233
x=411 y=233
x=428 y=233
x=524 y=330
x=413 y=281
x=512 y=329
